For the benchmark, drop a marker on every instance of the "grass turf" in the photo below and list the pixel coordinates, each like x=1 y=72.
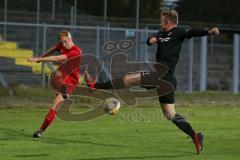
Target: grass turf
x=134 y=133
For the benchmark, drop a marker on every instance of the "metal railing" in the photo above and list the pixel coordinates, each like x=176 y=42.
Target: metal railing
x=4 y=83
x=192 y=72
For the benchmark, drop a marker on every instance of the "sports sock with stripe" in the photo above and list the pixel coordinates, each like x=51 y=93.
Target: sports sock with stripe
x=182 y=124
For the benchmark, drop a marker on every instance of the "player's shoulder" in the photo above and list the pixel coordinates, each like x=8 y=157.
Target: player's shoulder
x=182 y=28
x=77 y=48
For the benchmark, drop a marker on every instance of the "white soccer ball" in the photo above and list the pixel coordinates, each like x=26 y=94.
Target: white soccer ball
x=111 y=105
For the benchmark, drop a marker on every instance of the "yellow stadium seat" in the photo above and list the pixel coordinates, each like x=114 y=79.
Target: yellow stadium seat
x=10 y=50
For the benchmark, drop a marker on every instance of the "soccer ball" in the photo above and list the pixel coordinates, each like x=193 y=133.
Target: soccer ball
x=111 y=105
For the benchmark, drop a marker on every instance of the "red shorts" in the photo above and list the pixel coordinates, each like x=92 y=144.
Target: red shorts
x=71 y=84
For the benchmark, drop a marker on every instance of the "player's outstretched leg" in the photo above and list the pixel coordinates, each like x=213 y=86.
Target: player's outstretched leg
x=49 y=117
x=110 y=84
x=182 y=124
x=129 y=80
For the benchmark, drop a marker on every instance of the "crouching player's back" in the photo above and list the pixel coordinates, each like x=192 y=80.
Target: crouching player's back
x=65 y=79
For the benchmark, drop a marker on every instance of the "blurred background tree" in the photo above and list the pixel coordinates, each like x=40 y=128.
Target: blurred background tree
x=122 y=8
x=214 y=11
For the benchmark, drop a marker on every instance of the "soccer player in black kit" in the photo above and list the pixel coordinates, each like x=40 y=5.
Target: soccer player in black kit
x=169 y=42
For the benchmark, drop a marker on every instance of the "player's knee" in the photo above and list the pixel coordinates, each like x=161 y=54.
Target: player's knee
x=168 y=111
x=169 y=115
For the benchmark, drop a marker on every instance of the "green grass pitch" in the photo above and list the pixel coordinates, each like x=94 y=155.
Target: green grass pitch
x=134 y=133
x=119 y=137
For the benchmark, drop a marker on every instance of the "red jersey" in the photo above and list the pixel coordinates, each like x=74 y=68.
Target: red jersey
x=70 y=68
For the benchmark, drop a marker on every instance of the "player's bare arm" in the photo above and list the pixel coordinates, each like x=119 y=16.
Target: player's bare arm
x=48 y=59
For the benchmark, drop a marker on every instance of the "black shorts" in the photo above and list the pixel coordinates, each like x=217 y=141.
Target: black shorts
x=149 y=78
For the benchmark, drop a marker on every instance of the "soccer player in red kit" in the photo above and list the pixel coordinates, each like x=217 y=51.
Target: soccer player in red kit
x=65 y=79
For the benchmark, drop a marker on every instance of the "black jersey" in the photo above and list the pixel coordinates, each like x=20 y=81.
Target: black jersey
x=170 y=43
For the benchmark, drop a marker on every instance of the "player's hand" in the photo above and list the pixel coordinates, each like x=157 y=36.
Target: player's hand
x=153 y=40
x=39 y=61
x=213 y=31
x=32 y=59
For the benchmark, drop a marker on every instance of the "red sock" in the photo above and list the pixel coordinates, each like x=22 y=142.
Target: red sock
x=91 y=85
x=49 y=119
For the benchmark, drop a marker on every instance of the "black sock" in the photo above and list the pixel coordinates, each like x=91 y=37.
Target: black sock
x=182 y=124
x=64 y=91
x=115 y=83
